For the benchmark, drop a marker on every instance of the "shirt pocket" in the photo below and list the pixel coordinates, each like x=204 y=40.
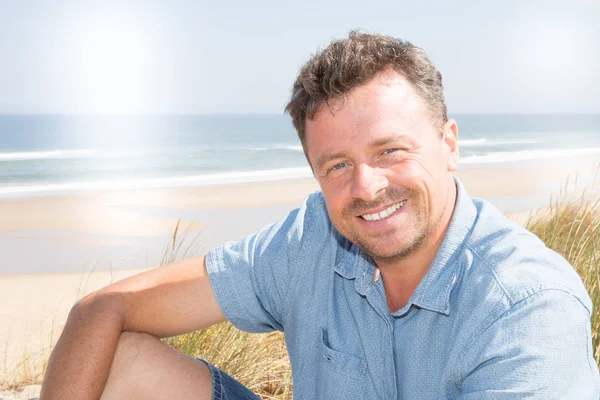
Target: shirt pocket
x=342 y=375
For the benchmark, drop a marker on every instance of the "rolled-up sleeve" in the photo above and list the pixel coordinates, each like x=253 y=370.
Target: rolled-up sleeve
x=251 y=278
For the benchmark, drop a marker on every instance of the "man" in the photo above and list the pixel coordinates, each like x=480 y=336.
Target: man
x=389 y=283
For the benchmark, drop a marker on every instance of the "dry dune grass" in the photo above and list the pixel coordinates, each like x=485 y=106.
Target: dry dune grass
x=572 y=229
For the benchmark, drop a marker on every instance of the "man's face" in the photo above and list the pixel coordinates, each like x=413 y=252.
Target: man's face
x=383 y=166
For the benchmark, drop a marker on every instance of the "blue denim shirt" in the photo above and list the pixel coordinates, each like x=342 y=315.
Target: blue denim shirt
x=497 y=316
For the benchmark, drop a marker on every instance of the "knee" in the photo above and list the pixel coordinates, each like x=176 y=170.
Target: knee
x=133 y=348
x=145 y=367
x=126 y=375
x=137 y=356
x=135 y=339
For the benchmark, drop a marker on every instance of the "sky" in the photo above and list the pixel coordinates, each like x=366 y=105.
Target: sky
x=173 y=57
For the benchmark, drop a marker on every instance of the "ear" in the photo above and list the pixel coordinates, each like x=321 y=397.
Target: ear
x=450 y=144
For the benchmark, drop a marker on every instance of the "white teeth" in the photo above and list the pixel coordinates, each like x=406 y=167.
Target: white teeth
x=383 y=214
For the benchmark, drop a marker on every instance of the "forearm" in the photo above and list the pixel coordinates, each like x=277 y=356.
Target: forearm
x=162 y=302
x=79 y=365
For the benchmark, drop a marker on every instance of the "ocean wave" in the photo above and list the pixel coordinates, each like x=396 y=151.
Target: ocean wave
x=62 y=154
x=278 y=147
x=46 y=155
x=493 y=142
x=154 y=183
x=511 y=156
x=260 y=148
x=292 y=147
x=472 y=142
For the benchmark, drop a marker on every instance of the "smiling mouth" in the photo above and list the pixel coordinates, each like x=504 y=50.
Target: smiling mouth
x=388 y=212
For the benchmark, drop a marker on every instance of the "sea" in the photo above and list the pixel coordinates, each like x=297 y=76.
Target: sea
x=43 y=155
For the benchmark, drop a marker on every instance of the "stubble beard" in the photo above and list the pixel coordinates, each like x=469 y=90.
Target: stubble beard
x=395 y=254
x=367 y=245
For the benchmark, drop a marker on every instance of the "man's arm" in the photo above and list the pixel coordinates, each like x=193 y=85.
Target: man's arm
x=163 y=302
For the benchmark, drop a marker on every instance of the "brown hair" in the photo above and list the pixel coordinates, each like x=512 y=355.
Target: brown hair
x=345 y=64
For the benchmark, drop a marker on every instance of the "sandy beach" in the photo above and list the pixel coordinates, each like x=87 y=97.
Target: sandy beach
x=57 y=249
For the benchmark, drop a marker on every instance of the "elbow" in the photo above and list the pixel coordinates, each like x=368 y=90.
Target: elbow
x=99 y=305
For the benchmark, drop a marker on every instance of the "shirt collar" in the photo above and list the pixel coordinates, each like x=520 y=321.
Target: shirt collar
x=433 y=293
x=347 y=265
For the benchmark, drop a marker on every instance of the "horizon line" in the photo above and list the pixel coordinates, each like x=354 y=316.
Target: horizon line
x=185 y=114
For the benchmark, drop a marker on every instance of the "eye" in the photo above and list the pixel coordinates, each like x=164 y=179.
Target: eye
x=338 y=166
x=337 y=169
x=392 y=150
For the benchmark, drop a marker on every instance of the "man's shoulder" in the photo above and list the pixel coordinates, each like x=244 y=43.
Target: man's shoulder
x=315 y=202
x=307 y=228
x=504 y=254
x=313 y=213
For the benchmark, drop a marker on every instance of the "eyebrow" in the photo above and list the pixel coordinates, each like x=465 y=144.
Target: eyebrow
x=376 y=143
x=387 y=140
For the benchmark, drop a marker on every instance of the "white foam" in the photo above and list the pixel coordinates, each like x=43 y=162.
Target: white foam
x=493 y=142
x=152 y=183
x=61 y=154
x=503 y=157
x=46 y=155
x=260 y=148
x=471 y=142
x=280 y=147
x=293 y=147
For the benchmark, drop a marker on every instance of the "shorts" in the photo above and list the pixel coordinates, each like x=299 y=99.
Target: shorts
x=227 y=388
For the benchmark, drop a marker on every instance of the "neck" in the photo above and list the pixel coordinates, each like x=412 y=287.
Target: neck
x=402 y=276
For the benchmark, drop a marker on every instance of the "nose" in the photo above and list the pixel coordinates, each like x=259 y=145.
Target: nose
x=367 y=182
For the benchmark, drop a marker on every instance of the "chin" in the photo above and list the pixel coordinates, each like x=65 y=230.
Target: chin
x=384 y=252
x=392 y=251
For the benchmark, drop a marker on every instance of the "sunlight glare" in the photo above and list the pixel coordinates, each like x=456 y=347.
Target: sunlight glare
x=113 y=62
x=552 y=51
